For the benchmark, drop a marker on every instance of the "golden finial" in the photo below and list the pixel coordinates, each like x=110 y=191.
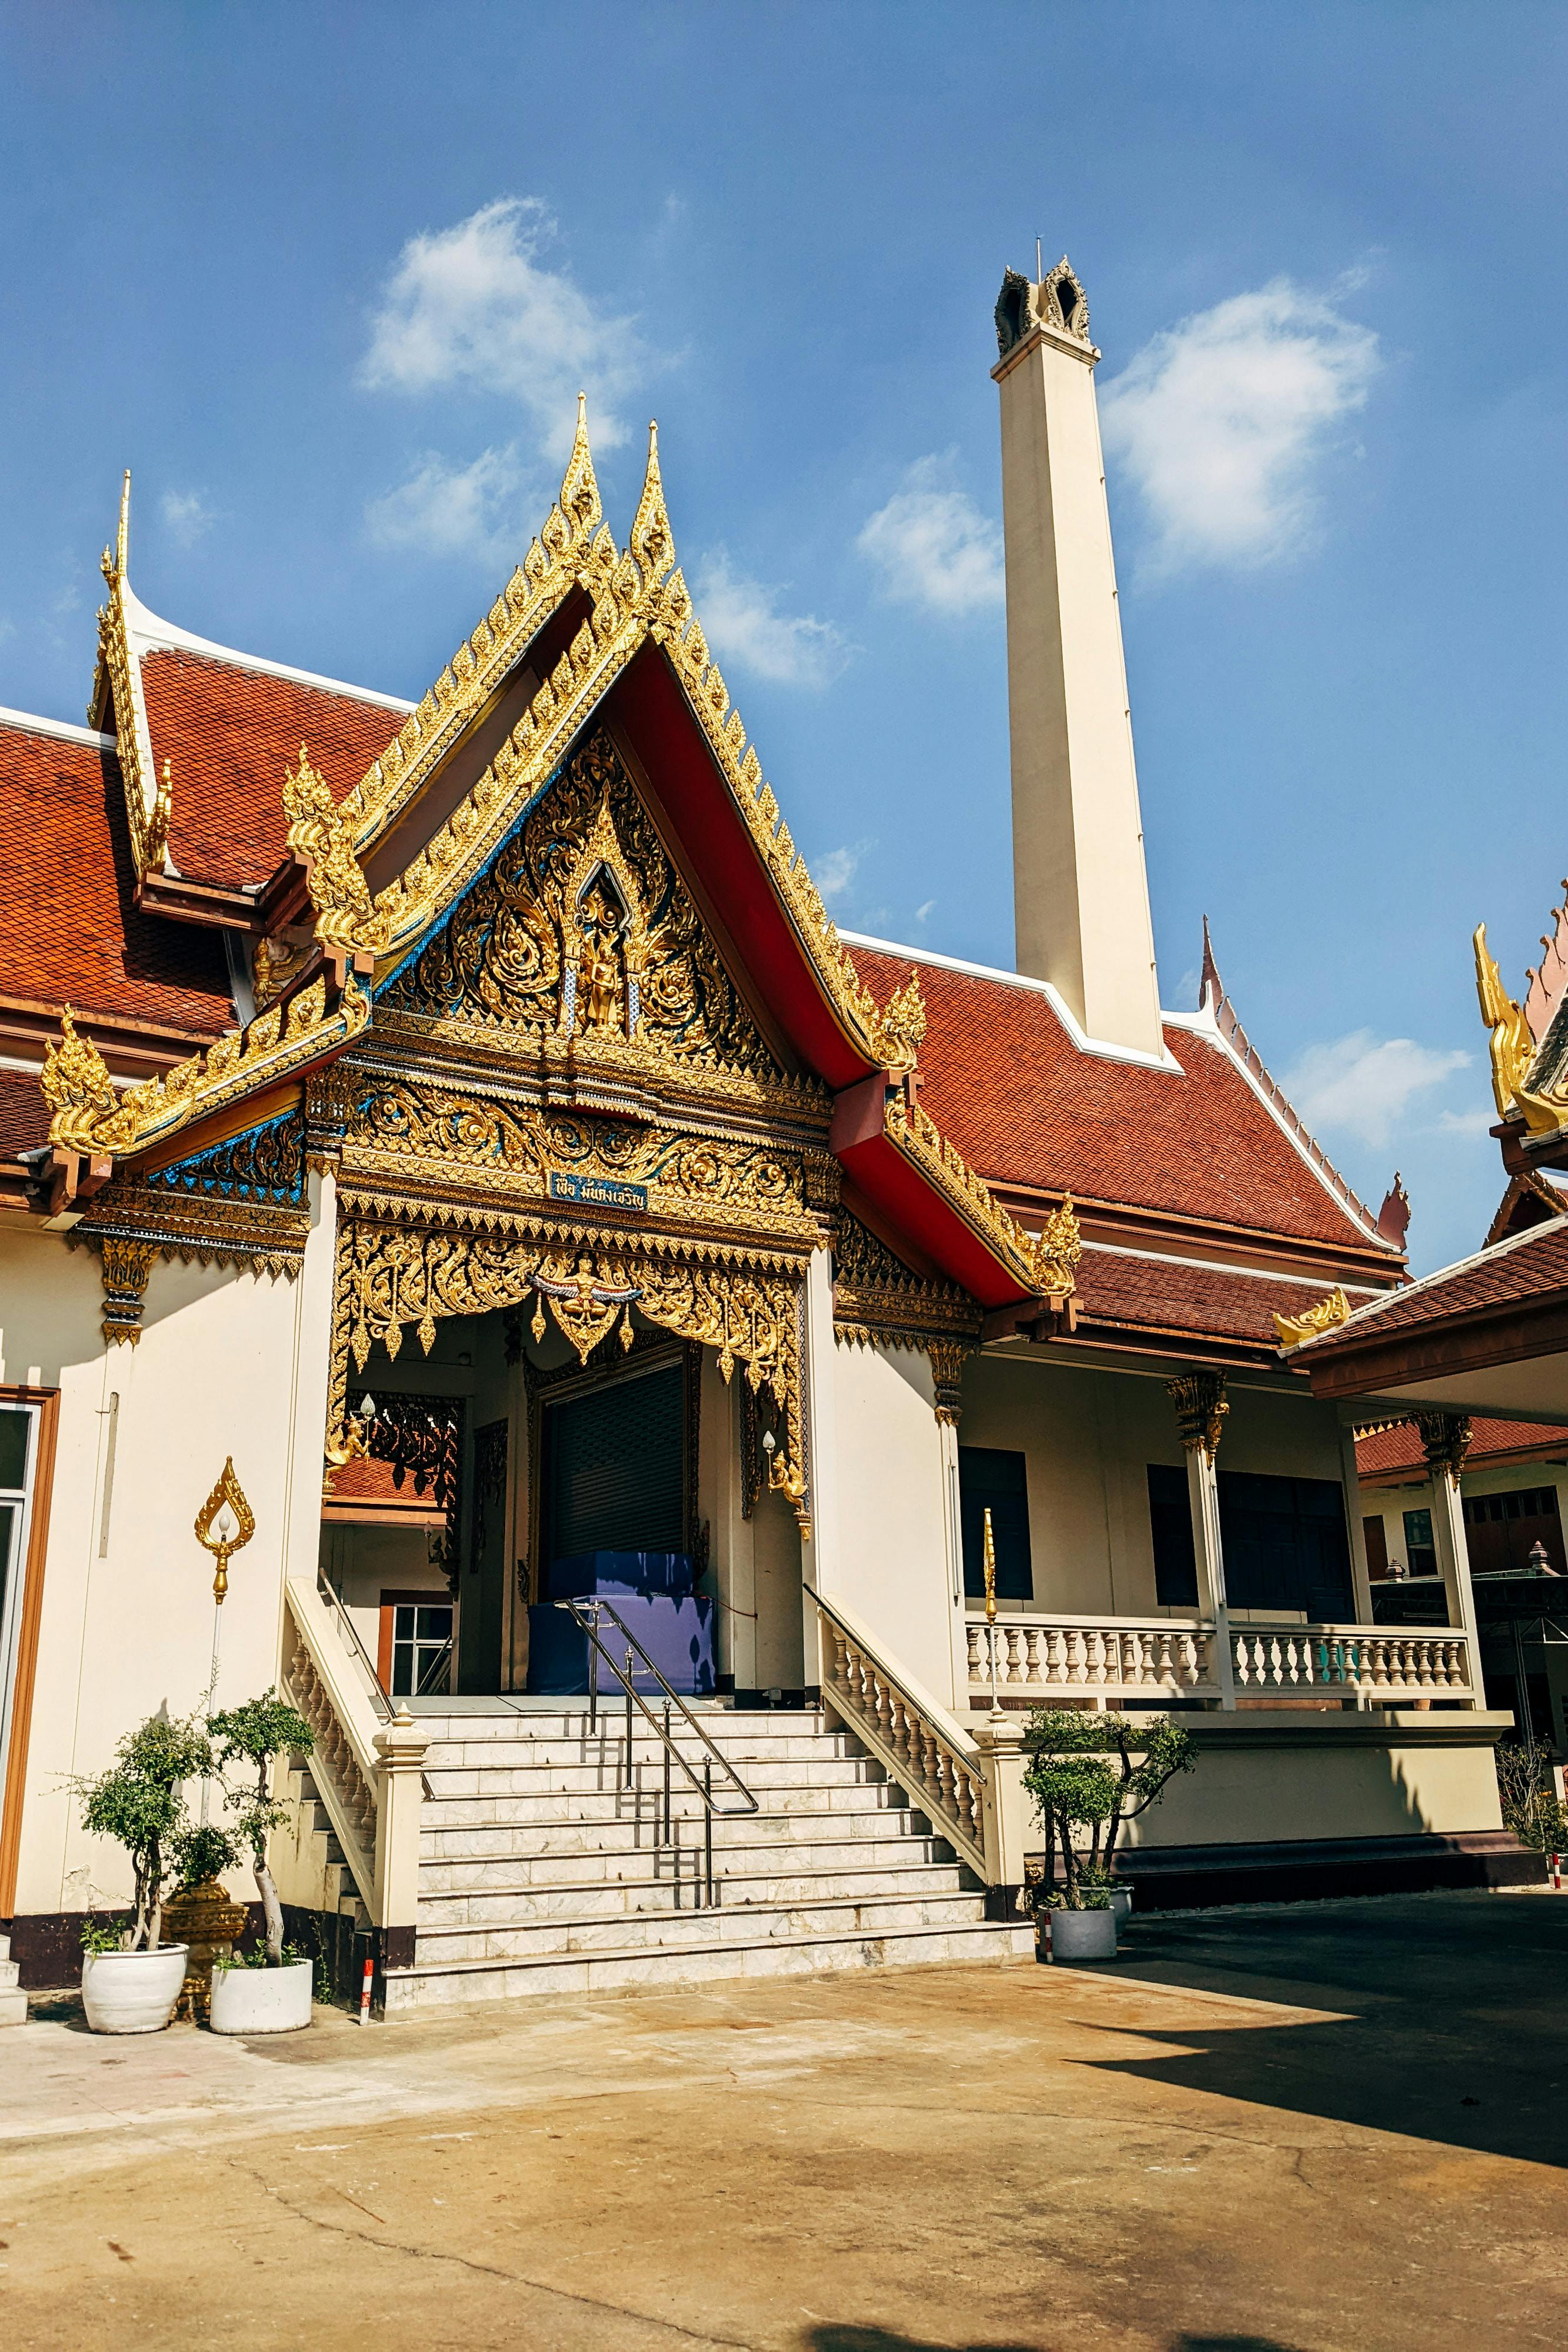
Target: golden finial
x=122 y=537
x=1512 y=1046
x=990 y=1571
x=75 y=1083
x=652 y=541
x=155 y=842
x=225 y=1524
x=579 y=499
x=904 y=1023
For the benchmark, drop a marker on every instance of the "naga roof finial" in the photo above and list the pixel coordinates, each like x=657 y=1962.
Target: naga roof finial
x=579 y=485
x=123 y=536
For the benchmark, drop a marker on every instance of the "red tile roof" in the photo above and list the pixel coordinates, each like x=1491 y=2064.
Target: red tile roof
x=228 y=733
x=68 y=933
x=1534 y=1264
x=23 y=1116
x=1005 y=1081
x=1145 y=1292
x=1399 y=1448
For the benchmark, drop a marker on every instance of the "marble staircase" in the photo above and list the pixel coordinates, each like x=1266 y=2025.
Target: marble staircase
x=541 y=1871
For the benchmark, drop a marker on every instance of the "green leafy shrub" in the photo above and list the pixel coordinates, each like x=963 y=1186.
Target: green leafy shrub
x=1527 y=1792
x=1094 y=1773
x=139 y=1804
x=256 y=1735
x=203 y=1853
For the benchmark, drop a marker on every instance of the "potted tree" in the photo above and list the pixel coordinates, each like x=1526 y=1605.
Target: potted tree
x=1093 y=1773
x=130 y=1979
x=271 y=1993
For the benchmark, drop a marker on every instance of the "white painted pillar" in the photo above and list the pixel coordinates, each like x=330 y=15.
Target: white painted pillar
x=953 y=1544
x=1360 y=1582
x=1200 y=1402
x=1446 y=1441
x=819 y=1563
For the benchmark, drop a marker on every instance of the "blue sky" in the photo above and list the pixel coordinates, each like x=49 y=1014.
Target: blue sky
x=327 y=279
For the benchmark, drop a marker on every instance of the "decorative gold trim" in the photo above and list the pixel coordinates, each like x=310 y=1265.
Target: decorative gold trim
x=147 y=803
x=878 y=1302
x=88 y=1117
x=1446 y=1442
x=127 y=1263
x=948 y=1358
x=392 y=1278
x=1328 y=1313
x=1048 y=1265
x=206 y=1229
x=1201 y=1408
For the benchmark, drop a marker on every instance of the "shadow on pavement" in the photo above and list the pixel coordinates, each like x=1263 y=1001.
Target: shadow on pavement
x=832 y=2338
x=1456 y=2030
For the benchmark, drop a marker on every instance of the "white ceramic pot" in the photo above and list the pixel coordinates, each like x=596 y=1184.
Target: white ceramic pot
x=1083 y=1934
x=262 y=2001
x=1122 y=1904
x=131 y=1992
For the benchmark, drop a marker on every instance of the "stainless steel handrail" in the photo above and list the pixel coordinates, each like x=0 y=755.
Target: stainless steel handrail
x=380 y=1698
x=577 y=1610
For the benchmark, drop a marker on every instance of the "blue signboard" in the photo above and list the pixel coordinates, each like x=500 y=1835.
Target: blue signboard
x=596 y=1192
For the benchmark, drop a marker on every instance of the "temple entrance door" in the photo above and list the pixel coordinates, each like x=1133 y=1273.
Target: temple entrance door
x=614 y=1468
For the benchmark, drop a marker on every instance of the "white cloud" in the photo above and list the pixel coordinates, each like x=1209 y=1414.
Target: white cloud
x=835 y=871
x=474 y=305
x=1474 y=1123
x=1362 y=1086
x=448 y=509
x=743 y=626
x=923 y=914
x=933 y=546
x=187 y=516
x=1221 y=422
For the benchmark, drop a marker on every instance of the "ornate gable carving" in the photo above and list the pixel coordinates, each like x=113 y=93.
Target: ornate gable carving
x=582 y=928
x=878 y=1300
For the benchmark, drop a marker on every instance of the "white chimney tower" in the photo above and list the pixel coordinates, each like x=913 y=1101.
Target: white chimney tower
x=1081 y=892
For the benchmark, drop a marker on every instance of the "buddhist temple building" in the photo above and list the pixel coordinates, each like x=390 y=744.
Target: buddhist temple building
x=452 y=1140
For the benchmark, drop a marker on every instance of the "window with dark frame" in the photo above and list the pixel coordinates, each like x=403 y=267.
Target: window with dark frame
x=1171 y=1525
x=1286 y=1545
x=990 y=1476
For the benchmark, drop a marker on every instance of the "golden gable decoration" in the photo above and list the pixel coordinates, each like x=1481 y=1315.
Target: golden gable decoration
x=581 y=927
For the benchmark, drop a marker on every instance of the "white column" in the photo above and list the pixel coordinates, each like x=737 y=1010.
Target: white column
x=1445 y=1439
x=818 y=1554
x=953 y=1545
x=1200 y=1402
x=1361 y=1582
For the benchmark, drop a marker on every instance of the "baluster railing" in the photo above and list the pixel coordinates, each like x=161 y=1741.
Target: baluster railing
x=925 y=1750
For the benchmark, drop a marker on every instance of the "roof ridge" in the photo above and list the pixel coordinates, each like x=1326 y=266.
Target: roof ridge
x=1408 y=1290
x=1302 y=1278
x=151 y=635
x=1102 y=1047
x=1216 y=1008
x=29 y=723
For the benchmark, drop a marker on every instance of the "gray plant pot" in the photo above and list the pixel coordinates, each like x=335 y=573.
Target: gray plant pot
x=1083 y=1934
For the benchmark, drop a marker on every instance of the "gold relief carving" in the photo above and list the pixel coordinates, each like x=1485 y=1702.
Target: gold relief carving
x=878 y=1302
x=146 y=807
x=206 y=1228
x=583 y=928
x=904 y=1024
x=1048 y=1264
x=391 y=1278
x=1446 y=1442
x=275 y=966
x=322 y=836
x=76 y=1085
x=948 y=1358
x=127 y=1263
x=89 y=1116
x=1329 y=1312
x=1201 y=1408
x=514 y=1146
x=155 y=842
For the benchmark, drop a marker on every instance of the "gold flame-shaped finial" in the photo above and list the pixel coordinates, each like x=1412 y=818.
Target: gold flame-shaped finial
x=652 y=541
x=580 y=485
x=229 y=1493
x=123 y=536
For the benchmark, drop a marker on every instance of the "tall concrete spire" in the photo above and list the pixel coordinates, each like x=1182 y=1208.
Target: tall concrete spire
x=1080 y=888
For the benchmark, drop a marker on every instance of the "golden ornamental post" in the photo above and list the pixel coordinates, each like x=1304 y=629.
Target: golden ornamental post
x=991 y=1608
x=225 y=1508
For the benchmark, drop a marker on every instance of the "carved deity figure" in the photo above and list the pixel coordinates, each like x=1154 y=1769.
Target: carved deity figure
x=599 y=971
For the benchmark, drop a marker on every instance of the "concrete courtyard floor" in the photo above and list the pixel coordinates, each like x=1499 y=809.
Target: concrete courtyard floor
x=1318 y=2128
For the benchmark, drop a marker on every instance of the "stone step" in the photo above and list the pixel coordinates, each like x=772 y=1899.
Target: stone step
x=611 y=1805
x=514 y=1905
x=533 y=1778
x=606 y=1971
x=897 y=1844
x=485 y=1840
x=512 y=1754
x=692 y=1927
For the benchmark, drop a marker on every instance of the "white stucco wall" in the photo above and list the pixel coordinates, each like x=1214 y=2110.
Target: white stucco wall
x=1088 y=1437
x=229 y=1362
x=888 y=1551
